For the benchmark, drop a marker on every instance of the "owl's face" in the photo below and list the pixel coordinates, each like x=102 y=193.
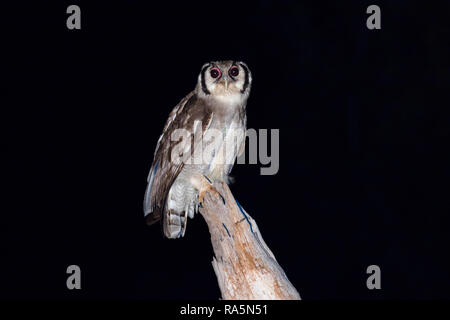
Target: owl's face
x=224 y=78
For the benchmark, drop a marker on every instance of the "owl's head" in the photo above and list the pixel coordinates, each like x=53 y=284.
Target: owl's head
x=224 y=79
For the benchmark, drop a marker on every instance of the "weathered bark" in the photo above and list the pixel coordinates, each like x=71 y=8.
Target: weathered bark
x=244 y=265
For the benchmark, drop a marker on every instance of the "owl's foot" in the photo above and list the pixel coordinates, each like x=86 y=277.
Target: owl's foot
x=207 y=186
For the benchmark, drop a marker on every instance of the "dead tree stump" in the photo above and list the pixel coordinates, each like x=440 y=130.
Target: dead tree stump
x=245 y=267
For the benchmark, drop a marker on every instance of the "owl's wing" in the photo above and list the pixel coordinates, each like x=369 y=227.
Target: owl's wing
x=240 y=146
x=164 y=171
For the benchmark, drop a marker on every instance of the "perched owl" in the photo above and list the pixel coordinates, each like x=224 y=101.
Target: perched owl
x=176 y=184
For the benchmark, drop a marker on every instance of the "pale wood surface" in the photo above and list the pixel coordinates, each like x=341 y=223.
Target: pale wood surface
x=245 y=267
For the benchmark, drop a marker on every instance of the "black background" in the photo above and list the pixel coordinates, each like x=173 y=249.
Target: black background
x=363 y=121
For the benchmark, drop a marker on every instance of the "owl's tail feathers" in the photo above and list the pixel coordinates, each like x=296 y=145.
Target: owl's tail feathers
x=174 y=224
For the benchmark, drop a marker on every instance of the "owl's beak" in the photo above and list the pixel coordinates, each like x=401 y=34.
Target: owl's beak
x=225 y=79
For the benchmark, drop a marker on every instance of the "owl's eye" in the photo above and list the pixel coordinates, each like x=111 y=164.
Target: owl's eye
x=234 y=71
x=215 y=72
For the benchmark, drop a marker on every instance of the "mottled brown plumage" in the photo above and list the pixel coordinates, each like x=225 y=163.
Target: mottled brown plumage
x=218 y=103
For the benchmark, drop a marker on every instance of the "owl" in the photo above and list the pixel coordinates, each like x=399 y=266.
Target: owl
x=210 y=122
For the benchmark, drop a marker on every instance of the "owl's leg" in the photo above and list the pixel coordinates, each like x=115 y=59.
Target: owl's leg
x=203 y=185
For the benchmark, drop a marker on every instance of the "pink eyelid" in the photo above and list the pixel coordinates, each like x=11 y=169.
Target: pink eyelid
x=215 y=68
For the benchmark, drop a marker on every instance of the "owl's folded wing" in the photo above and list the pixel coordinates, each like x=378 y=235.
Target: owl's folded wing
x=164 y=169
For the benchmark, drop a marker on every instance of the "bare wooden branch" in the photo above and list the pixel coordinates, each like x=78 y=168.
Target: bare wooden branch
x=245 y=267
